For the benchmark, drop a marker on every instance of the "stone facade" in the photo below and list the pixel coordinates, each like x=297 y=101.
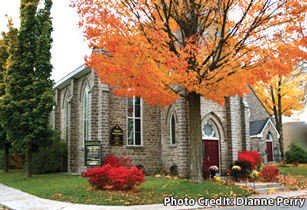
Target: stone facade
x=258 y=143
x=259 y=114
x=105 y=110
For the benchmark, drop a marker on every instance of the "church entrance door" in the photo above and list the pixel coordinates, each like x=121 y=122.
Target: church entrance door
x=210 y=153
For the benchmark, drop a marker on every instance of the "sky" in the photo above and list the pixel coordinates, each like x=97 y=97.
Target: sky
x=68 y=47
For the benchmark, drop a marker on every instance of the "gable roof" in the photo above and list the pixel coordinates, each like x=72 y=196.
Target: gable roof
x=253 y=92
x=77 y=73
x=257 y=127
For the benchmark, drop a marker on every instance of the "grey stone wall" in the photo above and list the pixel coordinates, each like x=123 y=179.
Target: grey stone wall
x=259 y=144
x=107 y=110
x=179 y=153
x=169 y=152
x=234 y=132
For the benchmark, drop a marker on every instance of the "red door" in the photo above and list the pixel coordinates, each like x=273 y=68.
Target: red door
x=210 y=153
x=269 y=149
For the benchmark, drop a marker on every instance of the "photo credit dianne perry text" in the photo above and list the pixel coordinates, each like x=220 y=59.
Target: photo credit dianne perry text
x=238 y=201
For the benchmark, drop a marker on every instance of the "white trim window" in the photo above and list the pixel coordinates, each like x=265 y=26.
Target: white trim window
x=269 y=137
x=173 y=129
x=209 y=131
x=66 y=117
x=85 y=112
x=134 y=121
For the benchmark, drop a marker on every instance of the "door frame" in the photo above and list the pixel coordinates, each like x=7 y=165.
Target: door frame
x=219 y=136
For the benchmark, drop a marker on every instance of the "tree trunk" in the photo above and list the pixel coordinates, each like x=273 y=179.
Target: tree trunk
x=195 y=173
x=6 y=158
x=29 y=161
x=278 y=117
x=281 y=137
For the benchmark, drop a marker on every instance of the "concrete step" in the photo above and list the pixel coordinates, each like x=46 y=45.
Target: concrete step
x=271 y=190
x=263 y=187
x=257 y=185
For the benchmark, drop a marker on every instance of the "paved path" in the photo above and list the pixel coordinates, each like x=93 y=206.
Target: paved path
x=17 y=200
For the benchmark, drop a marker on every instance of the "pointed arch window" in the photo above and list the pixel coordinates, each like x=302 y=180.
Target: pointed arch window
x=209 y=131
x=85 y=112
x=173 y=129
x=269 y=137
x=66 y=117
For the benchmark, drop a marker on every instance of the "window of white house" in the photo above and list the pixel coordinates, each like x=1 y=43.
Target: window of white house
x=66 y=118
x=85 y=112
x=173 y=129
x=134 y=124
x=209 y=131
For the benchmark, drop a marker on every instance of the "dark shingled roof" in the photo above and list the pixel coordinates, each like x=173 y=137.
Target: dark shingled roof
x=257 y=126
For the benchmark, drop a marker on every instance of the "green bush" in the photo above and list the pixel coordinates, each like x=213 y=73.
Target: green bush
x=2 y=159
x=296 y=154
x=50 y=159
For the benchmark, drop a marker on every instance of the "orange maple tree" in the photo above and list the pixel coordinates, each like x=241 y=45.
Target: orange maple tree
x=161 y=50
x=282 y=95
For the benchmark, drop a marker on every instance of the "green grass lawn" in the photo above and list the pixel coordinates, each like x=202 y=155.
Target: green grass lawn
x=76 y=189
x=300 y=170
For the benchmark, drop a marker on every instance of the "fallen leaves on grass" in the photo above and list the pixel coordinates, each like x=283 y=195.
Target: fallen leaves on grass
x=57 y=195
x=295 y=182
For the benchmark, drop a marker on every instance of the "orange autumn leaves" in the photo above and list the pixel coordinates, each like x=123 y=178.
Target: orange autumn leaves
x=162 y=49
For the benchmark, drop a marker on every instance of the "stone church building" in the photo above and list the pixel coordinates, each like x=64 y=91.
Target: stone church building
x=153 y=137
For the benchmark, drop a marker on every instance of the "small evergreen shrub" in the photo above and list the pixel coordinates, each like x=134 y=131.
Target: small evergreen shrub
x=296 y=154
x=173 y=170
x=157 y=171
x=2 y=159
x=49 y=159
x=244 y=164
x=116 y=174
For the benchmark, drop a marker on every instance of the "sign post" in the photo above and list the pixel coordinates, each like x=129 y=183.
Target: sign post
x=92 y=153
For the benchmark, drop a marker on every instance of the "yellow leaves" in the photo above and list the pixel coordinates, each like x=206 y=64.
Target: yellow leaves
x=289 y=88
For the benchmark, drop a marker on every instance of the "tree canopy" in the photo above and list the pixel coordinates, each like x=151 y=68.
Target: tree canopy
x=162 y=50
x=28 y=95
x=203 y=46
x=283 y=94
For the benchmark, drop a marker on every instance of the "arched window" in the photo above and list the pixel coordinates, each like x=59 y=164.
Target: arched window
x=269 y=137
x=134 y=124
x=66 y=117
x=173 y=129
x=209 y=131
x=269 y=147
x=85 y=112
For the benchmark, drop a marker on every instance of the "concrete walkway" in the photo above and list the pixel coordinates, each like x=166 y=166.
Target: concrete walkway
x=17 y=200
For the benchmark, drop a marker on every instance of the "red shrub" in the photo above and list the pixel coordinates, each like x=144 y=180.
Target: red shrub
x=252 y=156
x=116 y=174
x=118 y=161
x=269 y=173
x=256 y=157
